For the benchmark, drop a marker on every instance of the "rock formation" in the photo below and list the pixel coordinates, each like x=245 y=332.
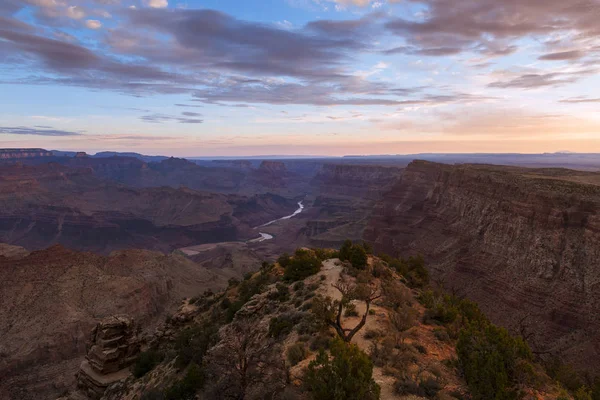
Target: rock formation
x=523 y=243
x=52 y=298
x=112 y=349
x=16 y=154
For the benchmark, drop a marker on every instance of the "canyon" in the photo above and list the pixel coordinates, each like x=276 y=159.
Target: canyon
x=523 y=243
x=85 y=238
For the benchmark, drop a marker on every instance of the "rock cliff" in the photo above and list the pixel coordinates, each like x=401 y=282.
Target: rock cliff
x=52 y=298
x=521 y=242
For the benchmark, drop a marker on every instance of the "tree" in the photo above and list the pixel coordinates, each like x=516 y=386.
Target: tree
x=346 y=375
x=245 y=364
x=331 y=311
x=354 y=253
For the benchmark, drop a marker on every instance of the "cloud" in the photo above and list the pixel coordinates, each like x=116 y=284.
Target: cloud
x=480 y=25
x=156 y=3
x=581 y=99
x=188 y=118
x=36 y=130
x=563 y=55
x=543 y=79
x=93 y=24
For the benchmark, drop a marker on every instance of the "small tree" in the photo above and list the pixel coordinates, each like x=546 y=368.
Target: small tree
x=245 y=363
x=348 y=375
x=330 y=311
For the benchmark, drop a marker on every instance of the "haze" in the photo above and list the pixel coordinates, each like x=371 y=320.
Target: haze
x=302 y=77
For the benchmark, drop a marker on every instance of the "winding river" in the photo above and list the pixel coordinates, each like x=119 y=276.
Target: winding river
x=266 y=236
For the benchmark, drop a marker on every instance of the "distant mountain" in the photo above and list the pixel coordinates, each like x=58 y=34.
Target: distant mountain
x=108 y=154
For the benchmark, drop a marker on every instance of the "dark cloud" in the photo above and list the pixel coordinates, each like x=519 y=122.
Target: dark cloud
x=211 y=39
x=191 y=114
x=563 y=55
x=482 y=25
x=36 y=130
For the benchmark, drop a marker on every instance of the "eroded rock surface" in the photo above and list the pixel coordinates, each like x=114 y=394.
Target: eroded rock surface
x=523 y=243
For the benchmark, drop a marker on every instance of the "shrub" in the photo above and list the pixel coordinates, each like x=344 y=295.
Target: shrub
x=320 y=342
x=283 y=324
x=430 y=387
x=347 y=374
x=298 y=286
x=284 y=260
x=441 y=335
x=186 y=388
x=296 y=353
x=192 y=343
x=489 y=359
x=303 y=265
x=355 y=254
x=146 y=362
x=282 y=294
x=421 y=349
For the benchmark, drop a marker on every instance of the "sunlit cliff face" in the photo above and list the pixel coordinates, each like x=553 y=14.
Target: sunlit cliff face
x=318 y=77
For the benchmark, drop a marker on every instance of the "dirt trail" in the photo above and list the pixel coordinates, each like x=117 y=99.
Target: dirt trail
x=332 y=270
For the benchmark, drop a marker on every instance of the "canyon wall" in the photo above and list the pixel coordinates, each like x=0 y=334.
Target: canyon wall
x=524 y=244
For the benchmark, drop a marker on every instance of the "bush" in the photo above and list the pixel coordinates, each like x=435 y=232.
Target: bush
x=298 y=286
x=192 y=343
x=282 y=294
x=348 y=374
x=490 y=360
x=186 y=388
x=284 y=260
x=321 y=342
x=303 y=265
x=296 y=353
x=355 y=254
x=146 y=362
x=283 y=324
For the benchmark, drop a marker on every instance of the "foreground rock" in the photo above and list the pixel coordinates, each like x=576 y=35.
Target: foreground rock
x=113 y=347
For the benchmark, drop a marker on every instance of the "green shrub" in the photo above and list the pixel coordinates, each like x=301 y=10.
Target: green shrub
x=320 y=342
x=296 y=353
x=284 y=260
x=489 y=359
x=303 y=265
x=282 y=294
x=193 y=342
x=355 y=254
x=283 y=324
x=346 y=375
x=146 y=362
x=186 y=388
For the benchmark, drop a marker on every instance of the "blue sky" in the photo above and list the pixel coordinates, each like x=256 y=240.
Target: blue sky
x=321 y=77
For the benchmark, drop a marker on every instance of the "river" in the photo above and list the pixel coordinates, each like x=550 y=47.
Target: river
x=266 y=236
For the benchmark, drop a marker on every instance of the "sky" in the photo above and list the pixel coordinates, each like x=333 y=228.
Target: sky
x=300 y=77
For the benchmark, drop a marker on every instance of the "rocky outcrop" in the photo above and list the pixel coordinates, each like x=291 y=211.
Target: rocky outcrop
x=522 y=243
x=51 y=299
x=112 y=349
x=16 y=154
